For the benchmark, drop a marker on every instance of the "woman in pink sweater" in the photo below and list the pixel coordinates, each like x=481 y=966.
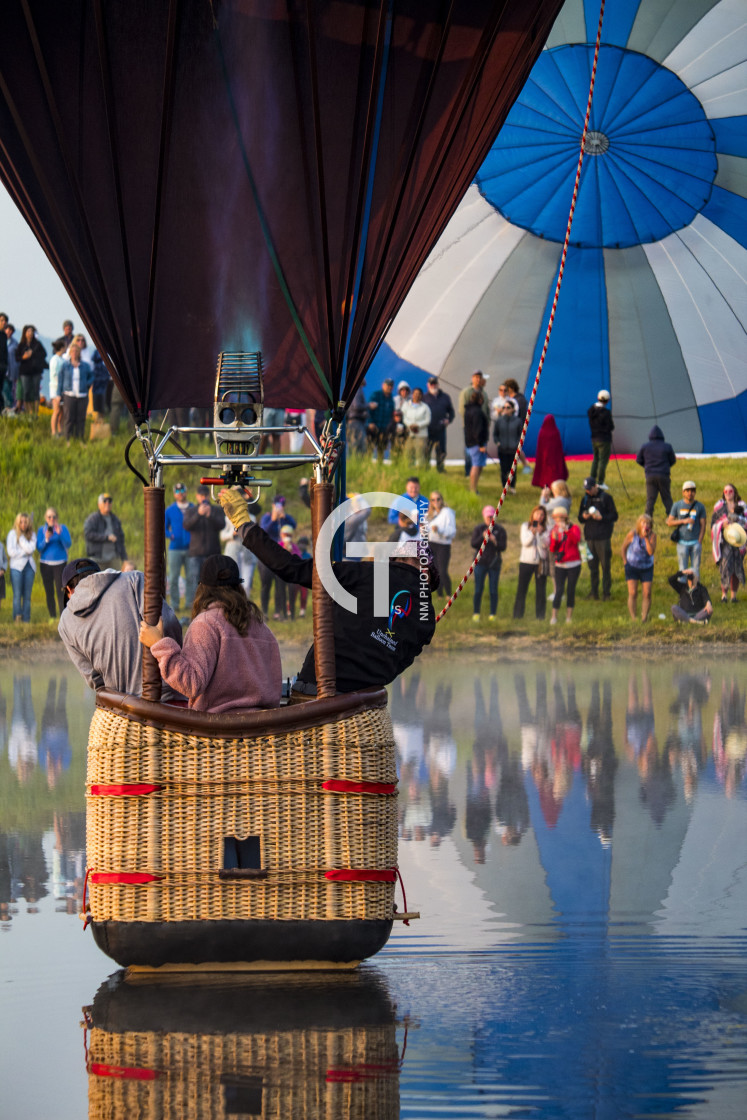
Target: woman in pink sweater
x=230 y=658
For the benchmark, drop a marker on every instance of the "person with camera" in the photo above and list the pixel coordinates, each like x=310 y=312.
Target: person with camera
x=637 y=552
x=52 y=542
x=534 y=562
x=598 y=514
x=564 y=542
x=695 y=603
x=203 y=522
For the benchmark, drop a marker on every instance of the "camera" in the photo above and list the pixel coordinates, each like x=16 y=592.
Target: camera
x=592 y=509
x=534 y=523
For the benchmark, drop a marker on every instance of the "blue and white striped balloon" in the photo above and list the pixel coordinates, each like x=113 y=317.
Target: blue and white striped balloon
x=654 y=299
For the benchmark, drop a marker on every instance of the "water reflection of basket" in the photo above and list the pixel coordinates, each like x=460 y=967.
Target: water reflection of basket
x=333 y=1053
x=280 y=824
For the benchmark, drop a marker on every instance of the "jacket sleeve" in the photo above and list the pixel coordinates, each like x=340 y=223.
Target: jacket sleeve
x=217 y=516
x=89 y=530
x=477 y=534
x=639 y=459
x=189 y=517
x=290 y=568
x=190 y=669
x=672 y=457
x=79 y=659
x=611 y=513
x=67 y=540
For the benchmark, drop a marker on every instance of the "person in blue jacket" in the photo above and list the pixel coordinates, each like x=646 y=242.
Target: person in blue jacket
x=176 y=557
x=412 y=491
x=52 y=543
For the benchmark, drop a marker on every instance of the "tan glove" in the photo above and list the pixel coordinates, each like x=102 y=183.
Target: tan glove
x=235 y=507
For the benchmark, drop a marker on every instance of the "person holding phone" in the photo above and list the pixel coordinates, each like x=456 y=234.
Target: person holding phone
x=203 y=522
x=534 y=563
x=637 y=552
x=564 y=541
x=52 y=543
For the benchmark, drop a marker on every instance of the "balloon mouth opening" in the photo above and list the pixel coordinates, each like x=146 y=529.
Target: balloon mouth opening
x=596 y=143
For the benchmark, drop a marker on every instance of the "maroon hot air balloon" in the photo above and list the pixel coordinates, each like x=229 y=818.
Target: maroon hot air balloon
x=245 y=175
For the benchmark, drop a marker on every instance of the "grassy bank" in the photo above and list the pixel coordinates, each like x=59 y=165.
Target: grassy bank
x=39 y=471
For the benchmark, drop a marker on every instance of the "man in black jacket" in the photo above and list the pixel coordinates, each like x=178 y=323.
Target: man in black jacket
x=601 y=426
x=369 y=650
x=657 y=458
x=204 y=523
x=104 y=535
x=598 y=514
x=442 y=414
x=695 y=603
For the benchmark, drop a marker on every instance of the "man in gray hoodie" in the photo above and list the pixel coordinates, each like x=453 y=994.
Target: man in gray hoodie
x=100 y=626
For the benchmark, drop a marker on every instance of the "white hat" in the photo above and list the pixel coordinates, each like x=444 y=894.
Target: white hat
x=402 y=385
x=603 y=395
x=689 y=485
x=735 y=535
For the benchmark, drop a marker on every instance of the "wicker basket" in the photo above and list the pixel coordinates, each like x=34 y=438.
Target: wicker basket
x=320 y=800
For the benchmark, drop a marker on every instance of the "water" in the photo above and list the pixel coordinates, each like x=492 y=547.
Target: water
x=573 y=834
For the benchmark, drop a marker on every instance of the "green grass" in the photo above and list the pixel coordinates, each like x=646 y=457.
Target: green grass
x=39 y=471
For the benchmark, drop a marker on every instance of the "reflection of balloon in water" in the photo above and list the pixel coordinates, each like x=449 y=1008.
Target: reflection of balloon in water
x=654 y=298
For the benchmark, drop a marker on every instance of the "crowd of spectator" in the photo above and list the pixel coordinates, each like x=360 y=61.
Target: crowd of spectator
x=78 y=379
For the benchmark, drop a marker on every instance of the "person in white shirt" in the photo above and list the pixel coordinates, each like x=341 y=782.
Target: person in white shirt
x=56 y=362
x=416 y=416
x=402 y=396
x=76 y=378
x=21 y=545
x=534 y=562
x=442 y=527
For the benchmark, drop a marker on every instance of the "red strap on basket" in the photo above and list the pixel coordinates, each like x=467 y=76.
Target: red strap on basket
x=125 y=1073
x=136 y=877
x=342 y=785
x=126 y=789
x=369 y=876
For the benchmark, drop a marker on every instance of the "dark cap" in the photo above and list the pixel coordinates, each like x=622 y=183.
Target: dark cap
x=589 y=483
x=433 y=380
x=76 y=570
x=278 y=500
x=220 y=571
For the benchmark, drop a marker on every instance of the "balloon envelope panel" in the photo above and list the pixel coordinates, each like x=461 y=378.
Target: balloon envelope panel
x=653 y=305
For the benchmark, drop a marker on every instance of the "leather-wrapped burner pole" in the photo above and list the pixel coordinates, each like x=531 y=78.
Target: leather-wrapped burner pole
x=155 y=580
x=322 y=605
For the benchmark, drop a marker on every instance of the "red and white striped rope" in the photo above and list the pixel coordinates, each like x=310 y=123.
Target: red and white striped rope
x=551 y=320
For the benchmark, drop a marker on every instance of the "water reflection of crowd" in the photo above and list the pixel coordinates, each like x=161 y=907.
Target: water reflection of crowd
x=427 y=757
x=558 y=746
x=42 y=750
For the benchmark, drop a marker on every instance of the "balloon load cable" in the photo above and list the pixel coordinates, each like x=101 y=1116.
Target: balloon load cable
x=551 y=320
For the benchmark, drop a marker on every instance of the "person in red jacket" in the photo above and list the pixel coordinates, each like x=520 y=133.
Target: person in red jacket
x=564 y=541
